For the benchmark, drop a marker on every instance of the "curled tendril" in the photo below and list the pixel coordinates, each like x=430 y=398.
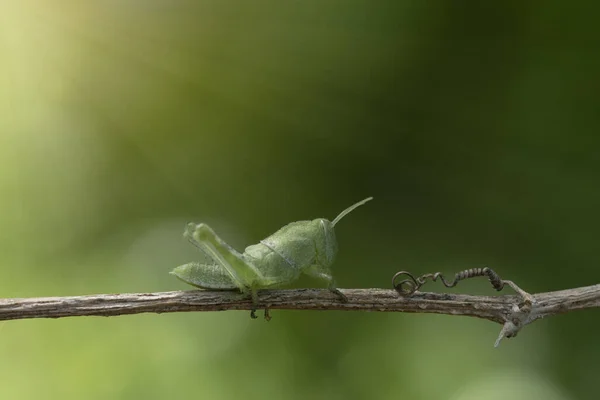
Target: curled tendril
x=408 y=286
x=411 y=284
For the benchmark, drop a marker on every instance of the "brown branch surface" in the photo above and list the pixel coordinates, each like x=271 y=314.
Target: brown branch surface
x=498 y=309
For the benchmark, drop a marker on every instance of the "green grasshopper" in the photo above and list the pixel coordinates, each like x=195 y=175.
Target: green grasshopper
x=301 y=247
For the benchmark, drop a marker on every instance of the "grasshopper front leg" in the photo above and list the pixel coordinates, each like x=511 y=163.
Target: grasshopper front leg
x=322 y=273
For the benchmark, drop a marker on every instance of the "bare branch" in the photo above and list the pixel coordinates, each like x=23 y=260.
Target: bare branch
x=501 y=309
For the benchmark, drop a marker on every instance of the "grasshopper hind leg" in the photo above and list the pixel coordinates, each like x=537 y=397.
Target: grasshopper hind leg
x=254 y=296
x=255 y=306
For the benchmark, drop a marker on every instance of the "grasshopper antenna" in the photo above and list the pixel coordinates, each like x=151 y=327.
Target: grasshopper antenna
x=349 y=210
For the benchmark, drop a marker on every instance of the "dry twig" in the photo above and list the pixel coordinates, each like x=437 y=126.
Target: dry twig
x=502 y=309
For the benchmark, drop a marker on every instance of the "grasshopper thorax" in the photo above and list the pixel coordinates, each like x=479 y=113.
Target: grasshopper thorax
x=299 y=244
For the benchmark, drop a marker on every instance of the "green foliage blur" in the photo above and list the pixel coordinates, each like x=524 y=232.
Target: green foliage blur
x=473 y=124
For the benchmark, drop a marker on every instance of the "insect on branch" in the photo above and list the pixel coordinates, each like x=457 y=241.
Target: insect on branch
x=231 y=280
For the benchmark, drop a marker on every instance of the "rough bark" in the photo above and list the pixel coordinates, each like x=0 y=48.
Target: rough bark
x=498 y=308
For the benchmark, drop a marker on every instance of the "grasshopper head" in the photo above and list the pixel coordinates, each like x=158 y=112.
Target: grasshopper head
x=327 y=246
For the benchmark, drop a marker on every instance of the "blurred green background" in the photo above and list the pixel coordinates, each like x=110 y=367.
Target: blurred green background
x=474 y=125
